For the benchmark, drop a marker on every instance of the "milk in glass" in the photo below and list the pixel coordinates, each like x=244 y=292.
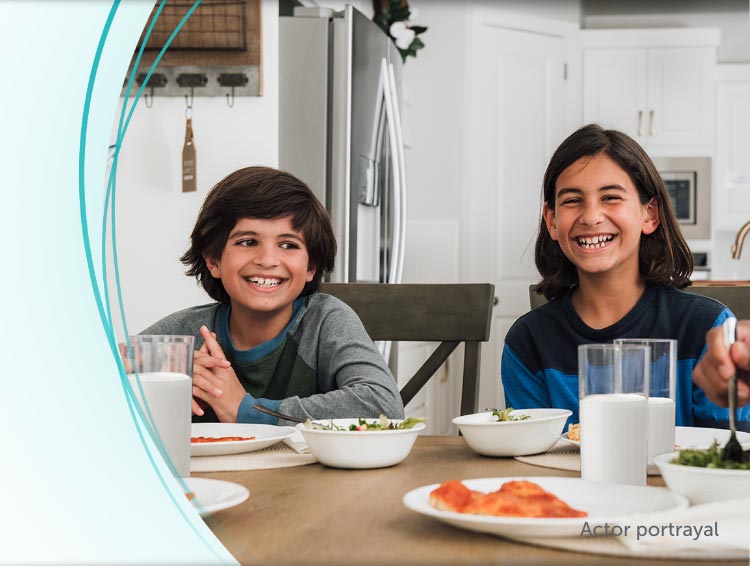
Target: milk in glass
x=614 y=438
x=661 y=415
x=168 y=397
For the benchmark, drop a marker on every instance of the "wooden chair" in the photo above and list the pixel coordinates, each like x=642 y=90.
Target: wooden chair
x=445 y=313
x=736 y=297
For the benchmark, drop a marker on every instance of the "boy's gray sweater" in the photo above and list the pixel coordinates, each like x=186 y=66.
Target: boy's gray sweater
x=352 y=379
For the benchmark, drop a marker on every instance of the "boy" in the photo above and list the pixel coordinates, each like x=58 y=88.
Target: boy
x=260 y=247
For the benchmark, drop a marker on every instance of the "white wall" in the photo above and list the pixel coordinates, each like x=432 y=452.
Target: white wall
x=564 y=10
x=154 y=218
x=433 y=117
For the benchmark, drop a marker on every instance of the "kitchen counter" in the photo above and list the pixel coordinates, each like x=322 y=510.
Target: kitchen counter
x=721 y=283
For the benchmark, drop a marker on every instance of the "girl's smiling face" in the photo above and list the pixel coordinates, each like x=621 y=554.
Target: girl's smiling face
x=264 y=265
x=598 y=217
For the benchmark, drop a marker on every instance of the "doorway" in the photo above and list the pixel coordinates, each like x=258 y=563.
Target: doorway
x=522 y=103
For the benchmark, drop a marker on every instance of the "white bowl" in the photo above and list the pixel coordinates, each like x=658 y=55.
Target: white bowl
x=703 y=485
x=488 y=436
x=359 y=449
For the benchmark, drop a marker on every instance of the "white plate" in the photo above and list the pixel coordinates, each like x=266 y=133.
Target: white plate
x=694 y=437
x=604 y=503
x=702 y=438
x=215 y=495
x=265 y=436
x=564 y=436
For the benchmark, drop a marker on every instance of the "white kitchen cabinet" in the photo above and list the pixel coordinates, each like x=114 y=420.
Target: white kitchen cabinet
x=732 y=158
x=655 y=85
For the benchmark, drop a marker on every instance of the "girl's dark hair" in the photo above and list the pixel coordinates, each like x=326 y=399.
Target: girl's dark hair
x=664 y=257
x=258 y=192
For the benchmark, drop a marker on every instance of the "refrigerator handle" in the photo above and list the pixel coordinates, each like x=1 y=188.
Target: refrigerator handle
x=401 y=244
x=385 y=77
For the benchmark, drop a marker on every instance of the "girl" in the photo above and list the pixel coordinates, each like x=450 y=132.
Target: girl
x=612 y=261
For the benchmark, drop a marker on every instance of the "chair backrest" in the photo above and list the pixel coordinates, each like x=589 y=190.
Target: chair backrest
x=535 y=299
x=736 y=297
x=446 y=313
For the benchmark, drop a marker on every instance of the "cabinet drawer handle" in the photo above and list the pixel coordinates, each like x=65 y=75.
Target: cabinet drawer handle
x=640 y=122
x=651 y=123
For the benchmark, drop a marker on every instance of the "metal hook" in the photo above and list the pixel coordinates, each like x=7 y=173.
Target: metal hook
x=232 y=80
x=149 y=99
x=189 y=105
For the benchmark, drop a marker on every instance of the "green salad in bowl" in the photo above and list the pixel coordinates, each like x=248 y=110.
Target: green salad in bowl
x=360 y=443
x=703 y=476
x=710 y=458
x=383 y=423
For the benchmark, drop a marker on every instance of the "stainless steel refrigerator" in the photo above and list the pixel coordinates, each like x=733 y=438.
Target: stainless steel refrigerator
x=340 y=132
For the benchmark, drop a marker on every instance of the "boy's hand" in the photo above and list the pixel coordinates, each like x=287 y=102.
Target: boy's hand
x=719 y=364
x=214 y=380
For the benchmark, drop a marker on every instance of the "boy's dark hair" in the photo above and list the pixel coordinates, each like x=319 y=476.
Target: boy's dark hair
x=258 y=192
x=664 y=257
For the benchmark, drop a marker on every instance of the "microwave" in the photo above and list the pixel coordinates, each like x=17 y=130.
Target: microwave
x=681 y=189
x=688 y=184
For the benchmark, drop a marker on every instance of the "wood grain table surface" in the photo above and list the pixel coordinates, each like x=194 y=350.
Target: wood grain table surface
x=311 y=515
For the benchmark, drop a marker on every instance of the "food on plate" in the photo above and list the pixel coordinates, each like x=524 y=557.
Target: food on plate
x=513 y=499
x=383 y=423
x=710 y=458
x=574 y=432
x=203 y=439
x=505 y=415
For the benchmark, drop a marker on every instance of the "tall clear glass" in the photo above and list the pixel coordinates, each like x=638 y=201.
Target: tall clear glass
x=662 y=393
x=613 y=392
x=160 y=369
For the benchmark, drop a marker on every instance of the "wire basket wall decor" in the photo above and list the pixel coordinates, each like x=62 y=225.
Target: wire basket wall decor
x=214 y=25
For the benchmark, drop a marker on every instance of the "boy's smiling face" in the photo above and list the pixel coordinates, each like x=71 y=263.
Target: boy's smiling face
x=264 y=266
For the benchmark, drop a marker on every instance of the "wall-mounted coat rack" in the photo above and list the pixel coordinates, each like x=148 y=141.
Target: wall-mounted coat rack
x=219 y=42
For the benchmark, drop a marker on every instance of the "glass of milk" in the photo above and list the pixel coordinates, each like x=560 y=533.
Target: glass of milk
x=662 y=393
x=160 y=369
x=613 y=389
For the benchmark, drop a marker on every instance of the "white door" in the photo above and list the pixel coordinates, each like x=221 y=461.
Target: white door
x=517 y=117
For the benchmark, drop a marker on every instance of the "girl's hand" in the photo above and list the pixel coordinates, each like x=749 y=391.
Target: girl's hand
x=214 y=380
x=719 y=364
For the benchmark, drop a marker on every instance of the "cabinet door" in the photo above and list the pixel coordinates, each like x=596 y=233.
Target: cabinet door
x=732 y=161
x=614 y=89
x=680 y=96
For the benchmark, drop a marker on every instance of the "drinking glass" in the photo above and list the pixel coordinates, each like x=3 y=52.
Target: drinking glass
x=159 y=369
x=613 y=390
x=662 y=393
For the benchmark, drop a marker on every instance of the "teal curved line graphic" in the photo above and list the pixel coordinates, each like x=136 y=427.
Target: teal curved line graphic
x=104 y=313
x=110 y=194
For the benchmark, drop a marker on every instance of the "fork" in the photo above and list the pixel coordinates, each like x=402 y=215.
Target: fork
x=273 y=413
x=732 y=450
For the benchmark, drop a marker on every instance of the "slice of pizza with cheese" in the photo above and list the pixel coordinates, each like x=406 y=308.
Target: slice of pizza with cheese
x=513 y=499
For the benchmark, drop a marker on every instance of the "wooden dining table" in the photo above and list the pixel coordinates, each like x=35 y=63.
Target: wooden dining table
x=313 y=514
